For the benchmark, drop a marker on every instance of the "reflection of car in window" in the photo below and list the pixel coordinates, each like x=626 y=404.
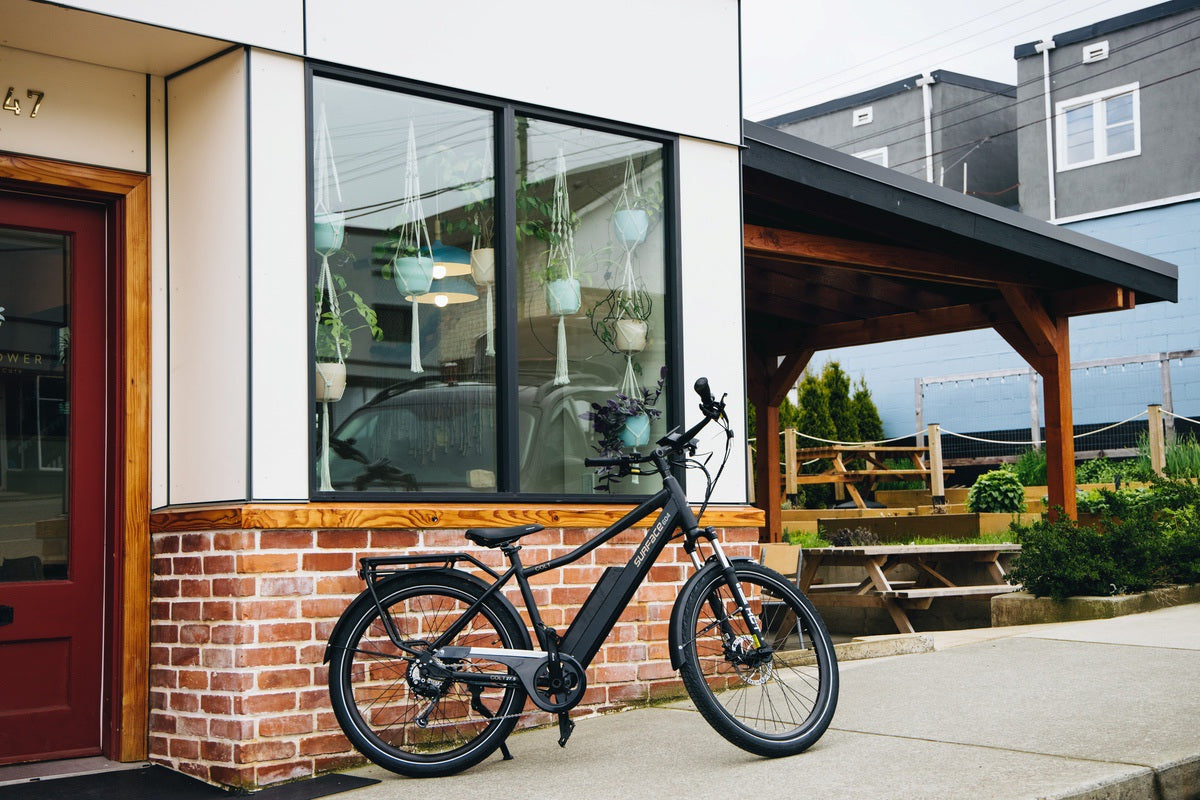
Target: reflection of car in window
x=433 y=436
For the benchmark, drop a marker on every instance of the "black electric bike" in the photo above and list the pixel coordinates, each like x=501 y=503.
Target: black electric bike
x=430 y=667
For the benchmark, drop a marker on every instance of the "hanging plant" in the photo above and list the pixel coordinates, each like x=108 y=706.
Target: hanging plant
x=620 y=319
x=635 y=211
x=406 y=255
x=624 y=421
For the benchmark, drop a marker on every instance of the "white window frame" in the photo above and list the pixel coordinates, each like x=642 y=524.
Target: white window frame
x=877 y=155
x=862 y=116
x=1100 y=154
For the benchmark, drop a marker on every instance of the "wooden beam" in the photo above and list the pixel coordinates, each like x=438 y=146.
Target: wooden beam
x=1090 y=300
x=898 y=326
x=786 y=375
x=1060 y=425
x=1032 y=317
x=883 y=259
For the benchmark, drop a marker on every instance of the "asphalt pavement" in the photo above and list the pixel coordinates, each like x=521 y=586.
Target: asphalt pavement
x=1102 y=710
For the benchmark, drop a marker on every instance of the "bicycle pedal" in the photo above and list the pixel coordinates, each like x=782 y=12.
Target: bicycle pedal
x=565 y=727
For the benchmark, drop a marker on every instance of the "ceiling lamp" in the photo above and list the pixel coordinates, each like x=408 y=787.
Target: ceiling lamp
x=448 y=259
x=448 y=291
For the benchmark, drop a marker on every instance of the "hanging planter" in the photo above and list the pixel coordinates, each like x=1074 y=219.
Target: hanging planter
x=329 y=231
x=631 y=225
x=331 y=381
x=631 y=335
x=483 y=265
x=636 y=431
x=413 y=274
x=563 y=296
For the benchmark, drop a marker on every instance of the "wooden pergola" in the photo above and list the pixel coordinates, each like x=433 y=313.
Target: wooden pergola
x=841 y=252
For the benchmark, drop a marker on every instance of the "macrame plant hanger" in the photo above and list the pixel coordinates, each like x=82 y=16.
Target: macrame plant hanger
x=328 y=194
x=561 y=251
x=485 y=177
x=629 y=285
x=412 y=230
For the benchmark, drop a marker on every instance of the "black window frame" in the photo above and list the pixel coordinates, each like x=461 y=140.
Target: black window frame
x=504 y=114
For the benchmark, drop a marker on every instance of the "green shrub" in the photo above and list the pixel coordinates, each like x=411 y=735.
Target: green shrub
x=1031 y=468
x=1146 y=538
x=998 y=491
x=1117 y=503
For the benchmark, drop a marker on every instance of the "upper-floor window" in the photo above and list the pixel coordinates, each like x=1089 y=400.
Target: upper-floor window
x=1098 y=127
x=482 y=275
x=878 y=156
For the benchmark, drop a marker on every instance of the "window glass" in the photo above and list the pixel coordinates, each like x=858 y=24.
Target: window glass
x=403 y=307
x=412 y=300
x=590 y=304
x=1079 y=134
x=1119 y=121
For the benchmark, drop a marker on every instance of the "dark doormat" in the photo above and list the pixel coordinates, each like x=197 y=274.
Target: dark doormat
x=160 y=783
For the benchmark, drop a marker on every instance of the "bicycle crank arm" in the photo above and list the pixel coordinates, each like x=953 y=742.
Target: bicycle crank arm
x=548 y=690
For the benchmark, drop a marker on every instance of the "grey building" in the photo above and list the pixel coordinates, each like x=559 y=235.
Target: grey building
x=946 y=128
x=1122 y=96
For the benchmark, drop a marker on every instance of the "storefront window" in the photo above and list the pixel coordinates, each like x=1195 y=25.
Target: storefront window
x=417 y=309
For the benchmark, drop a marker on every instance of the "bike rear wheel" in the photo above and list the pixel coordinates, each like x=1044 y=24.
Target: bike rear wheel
x=773 y=698
x=395 y=711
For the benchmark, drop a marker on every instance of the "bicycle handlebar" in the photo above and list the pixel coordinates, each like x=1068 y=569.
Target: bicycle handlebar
x=674 y=441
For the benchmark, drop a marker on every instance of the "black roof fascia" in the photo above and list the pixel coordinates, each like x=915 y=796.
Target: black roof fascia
x=885 y=190
x=842 y=103
x=971 y=82
x=887 y=90
x=1110 y=25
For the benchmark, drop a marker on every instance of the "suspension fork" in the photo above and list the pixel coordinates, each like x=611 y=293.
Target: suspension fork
x=735 y=588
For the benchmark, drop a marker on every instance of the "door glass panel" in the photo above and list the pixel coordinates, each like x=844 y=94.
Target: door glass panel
x=34 y=406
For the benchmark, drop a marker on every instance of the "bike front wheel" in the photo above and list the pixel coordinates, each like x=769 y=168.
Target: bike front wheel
x=399 y=713
x=773 y=697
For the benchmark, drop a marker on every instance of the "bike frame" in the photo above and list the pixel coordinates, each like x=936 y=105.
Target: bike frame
x=603 y=605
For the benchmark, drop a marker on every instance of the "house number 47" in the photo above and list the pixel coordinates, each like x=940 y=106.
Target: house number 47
x=11 y=103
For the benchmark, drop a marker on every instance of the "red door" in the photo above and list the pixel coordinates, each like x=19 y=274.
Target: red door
x=52 y=476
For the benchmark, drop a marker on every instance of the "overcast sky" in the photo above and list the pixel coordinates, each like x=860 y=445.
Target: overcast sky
x=797 y=53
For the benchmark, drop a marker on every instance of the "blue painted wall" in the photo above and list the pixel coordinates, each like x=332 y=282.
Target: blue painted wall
x=1171 y=233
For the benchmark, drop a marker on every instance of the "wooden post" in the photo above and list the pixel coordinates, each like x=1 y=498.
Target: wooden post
x=1158 y=448
x=1168 y=402
x=1035 y=427
x=753 y=476
x=919 y=405
x=937 y=478
x=1060 y=424
x=790 y=467
x=769 y=490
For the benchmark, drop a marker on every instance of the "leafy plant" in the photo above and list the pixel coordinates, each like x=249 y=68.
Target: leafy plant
x=1030 y=468
x=998 y=491
x=334 y=329
x=608 y=419
x=619 y=304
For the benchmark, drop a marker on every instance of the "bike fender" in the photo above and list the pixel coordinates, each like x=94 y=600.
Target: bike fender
x=365 y=598
x=675 y=631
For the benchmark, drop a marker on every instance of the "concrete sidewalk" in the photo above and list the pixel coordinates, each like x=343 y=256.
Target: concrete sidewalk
x=1102 y=709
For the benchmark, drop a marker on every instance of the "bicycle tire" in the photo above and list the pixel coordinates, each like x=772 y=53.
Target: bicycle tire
x=776 y=707
x=378 y=693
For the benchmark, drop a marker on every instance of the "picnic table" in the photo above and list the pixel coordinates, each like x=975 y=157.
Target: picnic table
x=876 y=469
x=880 y=589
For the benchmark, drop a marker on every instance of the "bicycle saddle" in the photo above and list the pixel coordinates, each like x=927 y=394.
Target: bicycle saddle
x=498 y=537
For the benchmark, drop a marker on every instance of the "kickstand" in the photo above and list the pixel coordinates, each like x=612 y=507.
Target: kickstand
x=481 y=709
x=565 y=726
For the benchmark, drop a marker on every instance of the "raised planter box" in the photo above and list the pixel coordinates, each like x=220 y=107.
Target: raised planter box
x=1022 y=608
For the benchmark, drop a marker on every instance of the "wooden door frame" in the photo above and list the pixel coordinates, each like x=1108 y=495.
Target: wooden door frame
x=127 y=634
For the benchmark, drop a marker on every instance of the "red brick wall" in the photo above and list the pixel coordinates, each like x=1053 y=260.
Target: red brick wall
x=239 y=622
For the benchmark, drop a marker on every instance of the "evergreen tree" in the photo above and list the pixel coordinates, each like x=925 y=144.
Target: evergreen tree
x=815 y=419
x=870 y=426
x=837 y=385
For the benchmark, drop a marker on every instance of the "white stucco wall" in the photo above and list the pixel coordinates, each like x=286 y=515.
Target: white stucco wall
x=713 y=303
x=208 y=272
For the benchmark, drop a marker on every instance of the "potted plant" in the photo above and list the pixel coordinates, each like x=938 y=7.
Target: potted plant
x=635 y=210
x=563 y=294
x=624 y=420
x=620 y=319
x=335 y=324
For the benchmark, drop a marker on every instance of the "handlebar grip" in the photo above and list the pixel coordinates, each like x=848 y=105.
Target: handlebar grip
x=704 y=391
x=603 y=462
